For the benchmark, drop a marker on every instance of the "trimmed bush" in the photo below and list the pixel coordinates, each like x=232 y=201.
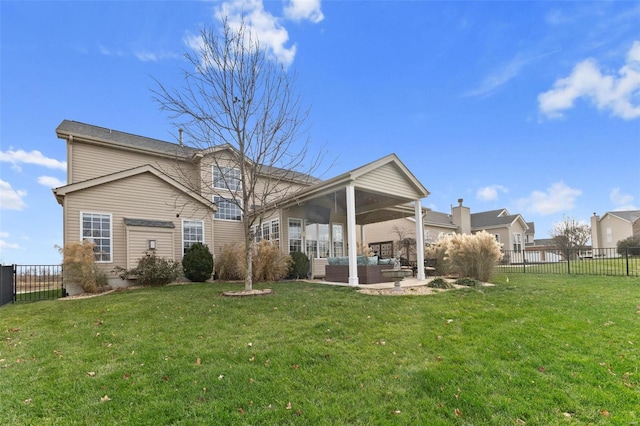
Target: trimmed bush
x=299 y=266
x=151 y=270
x=469 y=282
x=440 y=283
x=197 y=263
x=79 y=267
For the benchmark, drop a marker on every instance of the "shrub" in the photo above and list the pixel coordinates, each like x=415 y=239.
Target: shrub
x=268 y=262
x=469 y=282
x=299 y=266
x=629 y=245
x=438 y=251
x=79 y=267
x=230 y=265
x=197 y=263
x=440 y=283
x=474 y=255
x=152 y=270
x=467 y=255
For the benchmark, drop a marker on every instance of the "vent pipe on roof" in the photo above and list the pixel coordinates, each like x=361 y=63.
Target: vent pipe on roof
x=181 y=142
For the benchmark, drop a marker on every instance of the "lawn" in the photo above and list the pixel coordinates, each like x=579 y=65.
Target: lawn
x=534 y=349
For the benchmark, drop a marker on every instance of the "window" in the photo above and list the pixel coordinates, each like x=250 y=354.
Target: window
x=317 y=241
x=609 y=235
x=295 y=235
x=337 y=239
x=227 y=209
x=192 y=232
x=269 y=231
x=226 y=178
x=96 y=227
x=497 y=237
x=517 y=242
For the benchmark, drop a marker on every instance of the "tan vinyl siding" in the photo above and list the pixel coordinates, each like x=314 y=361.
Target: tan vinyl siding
x=91 y=161
x=385 y=231
x=142 y=196
x=388 y=179
x=620 y=229
x=138 y=237
x=227 y=232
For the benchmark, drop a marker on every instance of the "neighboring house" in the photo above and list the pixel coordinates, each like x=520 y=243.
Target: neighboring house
x=613 y=227
x=509 y=229
x=128 y=194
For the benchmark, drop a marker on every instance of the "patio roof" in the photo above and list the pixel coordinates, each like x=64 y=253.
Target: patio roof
x=384 y=189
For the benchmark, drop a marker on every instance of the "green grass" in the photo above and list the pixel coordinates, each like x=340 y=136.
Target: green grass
x=538 y=349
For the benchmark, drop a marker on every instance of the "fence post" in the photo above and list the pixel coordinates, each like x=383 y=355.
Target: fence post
x=14 y=279
x=568 y=261
x=626 y=255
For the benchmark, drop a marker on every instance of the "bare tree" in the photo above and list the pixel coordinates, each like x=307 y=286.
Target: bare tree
x=405 y=241
x=570 y=235
x=236 y=96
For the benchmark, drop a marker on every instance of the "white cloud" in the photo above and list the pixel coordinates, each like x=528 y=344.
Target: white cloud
x=267 y=28
x=621 y=201
x=11 y=246
x=504 y=74
x=606 y=92
x=146 y=56
x=11 y=199
x=299 y=10
x=34 y=157
x=490 y=193
x=261 y=24
x=50 y=181
x=559 y=197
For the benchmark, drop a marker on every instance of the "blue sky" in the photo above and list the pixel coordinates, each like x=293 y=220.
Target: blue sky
x=529 y=106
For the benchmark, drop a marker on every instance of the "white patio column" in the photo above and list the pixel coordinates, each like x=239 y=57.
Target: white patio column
x=351 y=234
x=419 y=239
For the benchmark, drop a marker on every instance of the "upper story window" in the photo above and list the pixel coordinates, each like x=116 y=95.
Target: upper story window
x=96 y=227
x=226 y=178
x=227 y=209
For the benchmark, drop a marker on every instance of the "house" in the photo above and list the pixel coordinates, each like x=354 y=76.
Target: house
x=509 y=229
x=128 y=194
x=612 y=227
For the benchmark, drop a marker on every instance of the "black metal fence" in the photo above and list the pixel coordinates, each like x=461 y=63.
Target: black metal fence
x=572 y=261
x=23 y=283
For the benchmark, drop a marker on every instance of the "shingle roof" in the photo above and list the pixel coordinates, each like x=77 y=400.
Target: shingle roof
x=491 y=218
x=630 y=215
x=438 y=219
x=75 y=128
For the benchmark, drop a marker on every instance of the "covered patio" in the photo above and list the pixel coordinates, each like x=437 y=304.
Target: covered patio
x=382 y=190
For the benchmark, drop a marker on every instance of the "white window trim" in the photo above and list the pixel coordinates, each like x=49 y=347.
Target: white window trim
x=226 y=179
x=228 y=199
x=332 y=241
x=203 y=232
x=302 y=242
x=82 y=213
